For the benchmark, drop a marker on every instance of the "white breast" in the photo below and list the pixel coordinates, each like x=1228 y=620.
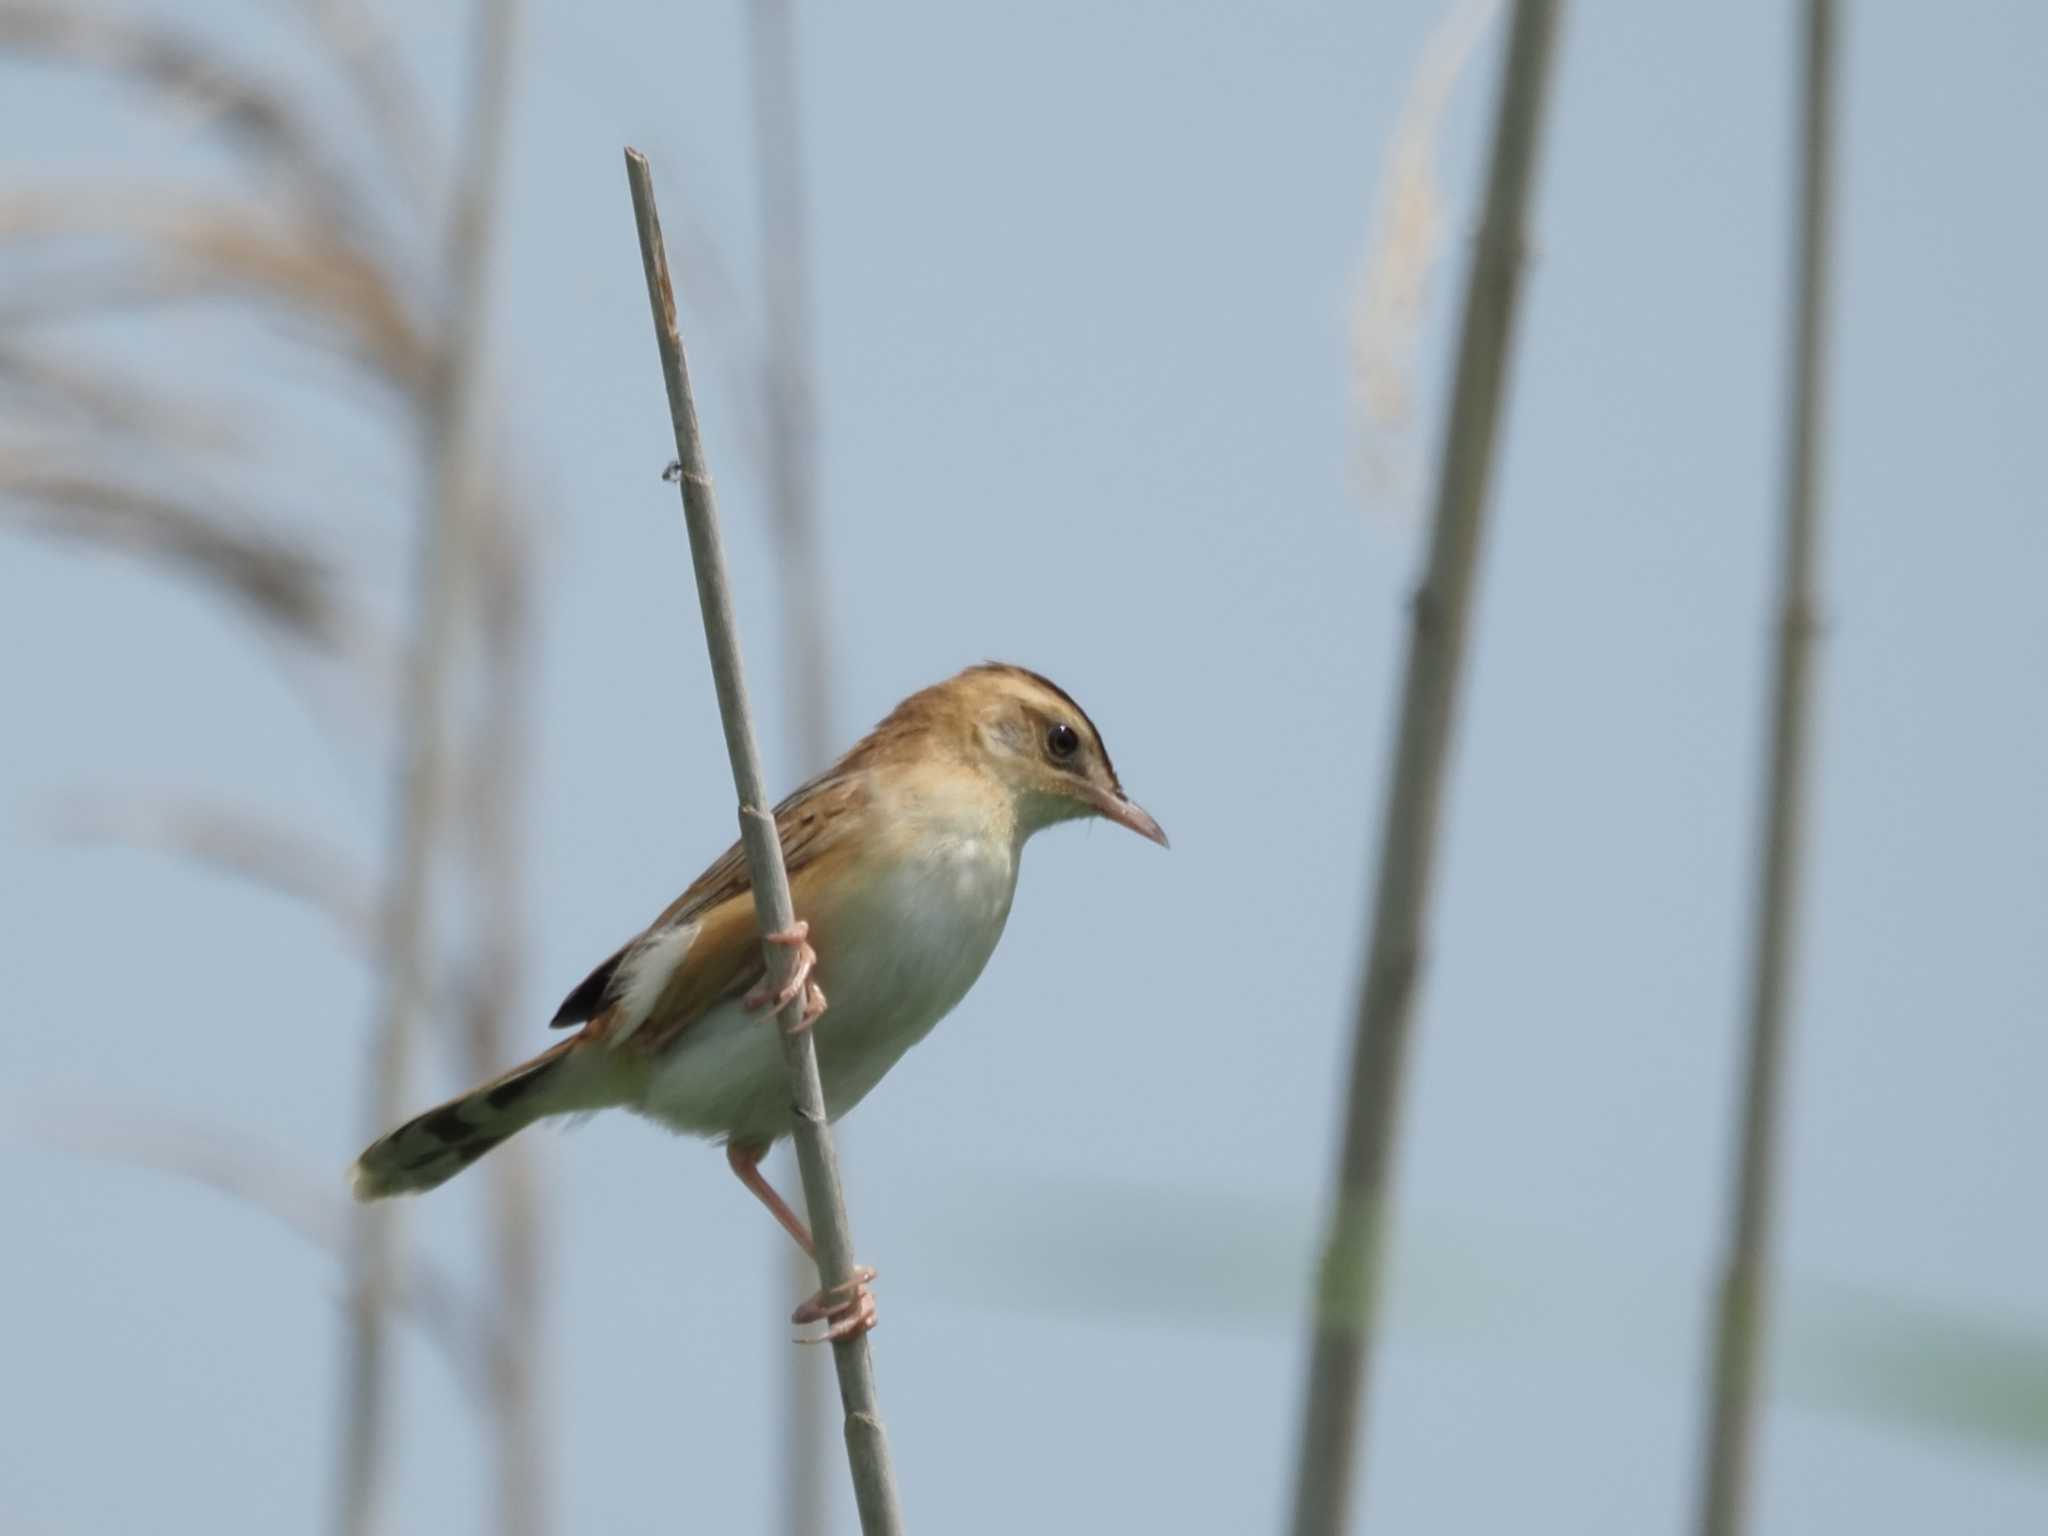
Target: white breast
x=902 y=952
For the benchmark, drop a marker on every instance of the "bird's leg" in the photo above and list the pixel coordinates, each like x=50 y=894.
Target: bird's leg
x=846 y=1309
x=744 y=1158
x=768 y=995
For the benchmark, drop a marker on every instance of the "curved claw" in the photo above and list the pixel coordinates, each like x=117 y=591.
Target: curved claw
x=767 y=995
x=847 y=1309
x=814 y=1004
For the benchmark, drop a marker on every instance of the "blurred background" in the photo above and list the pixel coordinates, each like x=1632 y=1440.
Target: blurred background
x=1113 y=343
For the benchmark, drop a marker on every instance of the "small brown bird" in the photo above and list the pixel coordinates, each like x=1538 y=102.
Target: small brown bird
x=902 y=862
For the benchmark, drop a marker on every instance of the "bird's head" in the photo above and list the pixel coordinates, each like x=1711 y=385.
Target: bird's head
x=1027 y=735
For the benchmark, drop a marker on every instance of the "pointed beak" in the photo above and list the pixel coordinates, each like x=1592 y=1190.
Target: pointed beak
x=1128 y=813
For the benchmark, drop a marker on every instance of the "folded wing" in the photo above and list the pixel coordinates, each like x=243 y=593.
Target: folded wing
x=706 y=946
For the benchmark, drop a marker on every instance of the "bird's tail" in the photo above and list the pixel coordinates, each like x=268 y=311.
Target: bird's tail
x=432 y=1148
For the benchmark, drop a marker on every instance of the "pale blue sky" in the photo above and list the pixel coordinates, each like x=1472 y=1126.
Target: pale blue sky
x=1082 y=283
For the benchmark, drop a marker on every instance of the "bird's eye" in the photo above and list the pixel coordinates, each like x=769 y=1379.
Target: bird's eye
x=1062 y=742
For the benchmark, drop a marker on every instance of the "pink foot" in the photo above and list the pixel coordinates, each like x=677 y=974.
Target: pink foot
x=846 y=1310
x=767 y=995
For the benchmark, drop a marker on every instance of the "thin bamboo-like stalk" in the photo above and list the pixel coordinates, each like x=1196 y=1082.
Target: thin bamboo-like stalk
x=1347 y=1296
x=495 y=542
x=790 y=460
x=1740 y=1328
x=403 y=947
x=498 y=852
x=874 y=1483
x=790 y=404
x=451 y=453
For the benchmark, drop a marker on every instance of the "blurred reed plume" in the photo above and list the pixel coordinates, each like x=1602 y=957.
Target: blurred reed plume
x=291 y=234
x=1403 y=252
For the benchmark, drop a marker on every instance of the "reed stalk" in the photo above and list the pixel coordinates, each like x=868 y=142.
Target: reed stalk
x=789 y=415
x=451 y=449
x=1347 y=1300
x=1740 y=1328
x=867 y=1445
